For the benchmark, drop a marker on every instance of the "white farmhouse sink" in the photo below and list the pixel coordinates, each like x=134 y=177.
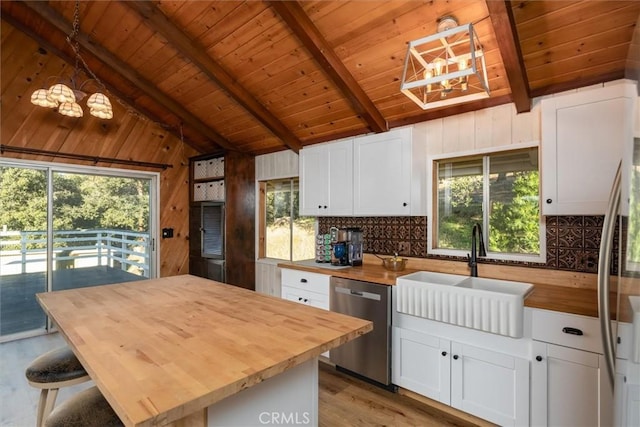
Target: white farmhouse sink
x=489 y=305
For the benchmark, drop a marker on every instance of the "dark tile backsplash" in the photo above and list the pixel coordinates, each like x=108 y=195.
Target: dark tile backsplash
x=572 y=241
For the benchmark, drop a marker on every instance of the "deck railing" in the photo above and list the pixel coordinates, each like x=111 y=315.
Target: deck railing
x=123 y=249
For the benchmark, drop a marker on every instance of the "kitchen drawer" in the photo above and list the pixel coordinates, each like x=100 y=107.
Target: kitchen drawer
x=302 y=296
x=312 y=282
x=555 y=327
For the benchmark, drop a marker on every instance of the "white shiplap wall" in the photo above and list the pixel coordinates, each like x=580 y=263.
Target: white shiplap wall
x=283 y=164
x=496 y=127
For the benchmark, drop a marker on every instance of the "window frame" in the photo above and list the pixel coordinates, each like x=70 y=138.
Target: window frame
x=432 y=206
x=262 y=220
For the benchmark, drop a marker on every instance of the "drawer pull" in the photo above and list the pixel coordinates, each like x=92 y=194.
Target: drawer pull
x=303 y=280
x=455 y=357
x=572 y=331
x=539 y=358
x=444 y=353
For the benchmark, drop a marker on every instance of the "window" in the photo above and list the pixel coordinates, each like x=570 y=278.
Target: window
x=500 y=191
x=284 y=234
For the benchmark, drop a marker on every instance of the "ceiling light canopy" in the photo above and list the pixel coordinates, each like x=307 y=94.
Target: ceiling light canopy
x=65 y=97
x=445 y=68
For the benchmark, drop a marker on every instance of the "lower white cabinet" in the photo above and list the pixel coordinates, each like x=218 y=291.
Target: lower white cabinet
x=422 y=363
x=569 y=380
x=569 y=387
x=627 y=392
x=306 y=288
x=313 y=299
x=482 y=382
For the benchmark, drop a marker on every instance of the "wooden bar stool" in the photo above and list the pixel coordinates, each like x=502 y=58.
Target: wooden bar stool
x=87 y=408
x=51 y=371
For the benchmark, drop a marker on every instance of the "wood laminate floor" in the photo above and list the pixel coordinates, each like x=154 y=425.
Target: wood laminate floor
x=344 y=400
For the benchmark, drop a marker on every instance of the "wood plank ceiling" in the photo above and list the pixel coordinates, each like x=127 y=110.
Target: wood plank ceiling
x=263 y=76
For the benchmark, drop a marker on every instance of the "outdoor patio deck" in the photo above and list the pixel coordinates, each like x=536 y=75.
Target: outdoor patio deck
x=19 y=310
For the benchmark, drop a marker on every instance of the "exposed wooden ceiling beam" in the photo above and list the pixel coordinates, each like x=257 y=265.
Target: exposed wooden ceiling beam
x=181 y=41
x=51 y=16
x=294 y=16
x=505 y=31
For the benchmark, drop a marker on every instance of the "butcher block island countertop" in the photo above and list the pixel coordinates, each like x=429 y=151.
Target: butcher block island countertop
x=164 y=350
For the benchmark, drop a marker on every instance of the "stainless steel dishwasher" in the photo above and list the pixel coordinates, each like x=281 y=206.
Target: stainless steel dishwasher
x=370 y=354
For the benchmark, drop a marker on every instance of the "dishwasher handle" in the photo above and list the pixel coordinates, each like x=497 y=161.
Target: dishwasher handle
x=358 y=294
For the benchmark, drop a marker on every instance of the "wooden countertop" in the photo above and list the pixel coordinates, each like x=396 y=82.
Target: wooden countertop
x=162 y=349
x=578 y=296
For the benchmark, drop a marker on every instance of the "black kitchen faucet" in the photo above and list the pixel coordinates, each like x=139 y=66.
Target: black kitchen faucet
x=473 y=262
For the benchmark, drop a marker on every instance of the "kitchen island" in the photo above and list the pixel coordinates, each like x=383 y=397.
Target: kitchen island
x=185 y=350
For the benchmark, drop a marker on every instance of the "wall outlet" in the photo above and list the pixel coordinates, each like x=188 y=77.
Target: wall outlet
x=404 y=248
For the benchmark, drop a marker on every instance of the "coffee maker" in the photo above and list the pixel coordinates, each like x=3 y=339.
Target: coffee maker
x=346 y=246
x=339 y=246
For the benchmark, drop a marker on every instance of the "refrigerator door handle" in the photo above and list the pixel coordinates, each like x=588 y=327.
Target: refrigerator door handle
x=604 y=264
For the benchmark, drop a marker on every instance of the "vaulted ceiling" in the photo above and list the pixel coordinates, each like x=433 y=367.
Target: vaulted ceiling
x=264 y=76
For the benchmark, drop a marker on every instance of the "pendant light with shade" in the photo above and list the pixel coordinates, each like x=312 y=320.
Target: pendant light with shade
x=65 y=97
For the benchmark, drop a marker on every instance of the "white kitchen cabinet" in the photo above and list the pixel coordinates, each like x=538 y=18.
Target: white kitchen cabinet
x=482 y=382
x=583 y=135
x=382 y=175
x=326 y=179
x=490 y=385
x=569 y=382
x=422 y=363
x=627 y=392
x=569 y=387
x=306 y=288
x=313 y=299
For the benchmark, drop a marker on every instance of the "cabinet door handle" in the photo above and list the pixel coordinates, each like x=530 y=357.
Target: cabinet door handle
x=455 y=357
x=539 y=358
x=306 y=300
x=444 y=353
x=299 y=298
x=572 y=331
x=303 y=280
x=319 y=206
x=405 y=204
x=549 y=201
x=325 y=206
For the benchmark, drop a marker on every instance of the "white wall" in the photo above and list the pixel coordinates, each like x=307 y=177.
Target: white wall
x=283 y=164
x=476 y=131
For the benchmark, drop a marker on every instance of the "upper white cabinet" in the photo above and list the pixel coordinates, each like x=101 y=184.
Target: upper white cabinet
x=387 y=174
x=326 y=179
x=583 y=135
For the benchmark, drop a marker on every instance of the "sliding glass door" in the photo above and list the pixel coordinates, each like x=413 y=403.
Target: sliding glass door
x=23 y=248
x=65 y=228
x=101 y=229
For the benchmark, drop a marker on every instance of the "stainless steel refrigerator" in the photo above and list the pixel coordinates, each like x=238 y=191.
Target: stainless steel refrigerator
x=619 y=289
